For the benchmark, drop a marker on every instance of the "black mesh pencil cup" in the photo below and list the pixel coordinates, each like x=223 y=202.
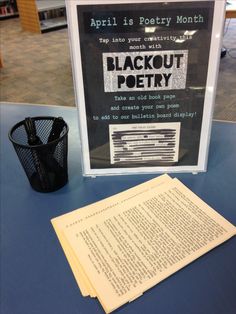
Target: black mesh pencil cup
x=41 y=144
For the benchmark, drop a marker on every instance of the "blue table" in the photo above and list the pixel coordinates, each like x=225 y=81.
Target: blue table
x=35 y=276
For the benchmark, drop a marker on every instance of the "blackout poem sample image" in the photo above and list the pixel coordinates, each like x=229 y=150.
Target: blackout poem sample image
x=144 y=142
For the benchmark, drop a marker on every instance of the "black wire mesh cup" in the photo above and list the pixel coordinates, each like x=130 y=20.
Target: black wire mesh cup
x=45 y=163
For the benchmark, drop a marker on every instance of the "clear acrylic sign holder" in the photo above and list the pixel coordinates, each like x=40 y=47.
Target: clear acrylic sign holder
x=145 y=77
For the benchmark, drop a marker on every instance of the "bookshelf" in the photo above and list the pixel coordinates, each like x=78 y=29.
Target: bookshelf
x=42 y=16
x=1 y=61
x=8 y=9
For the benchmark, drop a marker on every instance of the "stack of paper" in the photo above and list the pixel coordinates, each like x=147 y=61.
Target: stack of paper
x=123 y=245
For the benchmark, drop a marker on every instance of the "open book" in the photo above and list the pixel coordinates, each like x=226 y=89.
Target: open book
x=125 y=244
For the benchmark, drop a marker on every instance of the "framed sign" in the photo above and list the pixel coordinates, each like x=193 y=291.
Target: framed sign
x=145 y=76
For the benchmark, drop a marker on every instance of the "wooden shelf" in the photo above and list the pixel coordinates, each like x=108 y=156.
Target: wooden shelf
x=231 y=10
x=29 y=15
x=39 y=16
x=1 y=61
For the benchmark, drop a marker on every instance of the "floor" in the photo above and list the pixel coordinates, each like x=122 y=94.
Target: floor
x=37 y=69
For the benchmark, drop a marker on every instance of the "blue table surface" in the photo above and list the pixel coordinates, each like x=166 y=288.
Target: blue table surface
x=35 y=275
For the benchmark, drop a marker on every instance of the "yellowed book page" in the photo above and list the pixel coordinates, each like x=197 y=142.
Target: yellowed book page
x=81 y=278
x=61 y=222
x=133 y=246
x=71 y=217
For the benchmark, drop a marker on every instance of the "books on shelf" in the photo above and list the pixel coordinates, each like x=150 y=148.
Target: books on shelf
x=8 y=8
x=52 y=14
x=52 y=18
x=121 y=246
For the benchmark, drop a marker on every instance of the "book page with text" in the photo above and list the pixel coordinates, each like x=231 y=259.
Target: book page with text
x=71 y=218
x=130 y=248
